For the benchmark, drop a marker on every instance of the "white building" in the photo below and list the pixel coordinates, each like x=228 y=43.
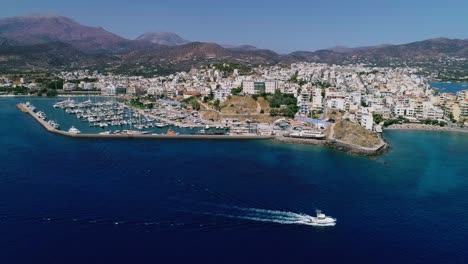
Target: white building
x=367 y=120
x=271 y=86
x=221 y=94
x=317 y=99
x=248 y=87
x=336 y=103
x=108 y=90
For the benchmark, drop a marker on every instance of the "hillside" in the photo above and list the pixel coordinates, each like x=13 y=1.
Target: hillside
x=171 y=52
x=197 y=53
x=163 y=38
x=41 y=29
x=47 y=56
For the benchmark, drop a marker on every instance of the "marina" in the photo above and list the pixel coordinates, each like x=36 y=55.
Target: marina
x=170 y=134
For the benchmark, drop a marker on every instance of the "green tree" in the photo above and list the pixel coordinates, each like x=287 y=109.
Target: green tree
x=377 y=118
x=195 y=105
x=216 y=105
x=236 y=91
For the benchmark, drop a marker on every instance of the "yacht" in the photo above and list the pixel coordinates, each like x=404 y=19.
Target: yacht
x=308 y=134
x=73 y=130
x=41 y=115
x=54 y=124
x=319 y=220
x=64 y=103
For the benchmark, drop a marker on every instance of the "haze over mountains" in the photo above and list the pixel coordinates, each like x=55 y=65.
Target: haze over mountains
x=56 y=41
x=163 y=38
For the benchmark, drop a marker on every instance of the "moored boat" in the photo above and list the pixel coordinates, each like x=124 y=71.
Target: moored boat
x=73 y=130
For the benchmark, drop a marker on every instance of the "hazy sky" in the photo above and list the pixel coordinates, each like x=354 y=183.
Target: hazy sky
x=279 y=25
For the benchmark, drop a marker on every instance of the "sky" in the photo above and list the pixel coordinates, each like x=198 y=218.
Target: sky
x=283 y=26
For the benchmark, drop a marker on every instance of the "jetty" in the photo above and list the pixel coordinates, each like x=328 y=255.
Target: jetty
x=25 y=109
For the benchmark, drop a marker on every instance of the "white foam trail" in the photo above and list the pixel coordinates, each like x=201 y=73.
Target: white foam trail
x=264 y=215
x=259 y=219
x=274 y=213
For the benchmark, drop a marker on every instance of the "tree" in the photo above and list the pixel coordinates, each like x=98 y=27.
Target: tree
x=211 y=95
x=216 y=105
x=51 y=92
x=196 y=105
x=236 y=91
x=452 y=118
x=377 y=118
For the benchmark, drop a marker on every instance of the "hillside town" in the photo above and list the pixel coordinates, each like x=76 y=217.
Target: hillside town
x=364 y=95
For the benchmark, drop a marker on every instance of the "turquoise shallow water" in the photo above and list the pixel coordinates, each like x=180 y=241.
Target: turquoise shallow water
x=64 y=200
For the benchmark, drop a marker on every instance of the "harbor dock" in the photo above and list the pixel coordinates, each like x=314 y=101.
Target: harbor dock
x=25 y=109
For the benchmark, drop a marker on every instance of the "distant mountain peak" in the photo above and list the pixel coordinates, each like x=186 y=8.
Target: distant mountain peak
x=163 y=38
x=39 y=29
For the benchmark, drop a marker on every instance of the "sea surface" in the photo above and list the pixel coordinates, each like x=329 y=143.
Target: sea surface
x=449 y=87
x=65 y=200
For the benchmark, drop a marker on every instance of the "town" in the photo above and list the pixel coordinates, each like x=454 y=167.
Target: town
x=297 y=101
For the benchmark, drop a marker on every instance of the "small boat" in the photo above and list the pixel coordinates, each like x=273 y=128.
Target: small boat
x=73 y=130
x=54 y=124
x=171 y=133
x=105 y=133
x=319 y=220
x=41 y=115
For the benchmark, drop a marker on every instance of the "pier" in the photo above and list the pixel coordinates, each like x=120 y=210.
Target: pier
x=49 y=128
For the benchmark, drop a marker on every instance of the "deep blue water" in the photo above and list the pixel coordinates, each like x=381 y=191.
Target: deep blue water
x=65 y=200
x=450 y=87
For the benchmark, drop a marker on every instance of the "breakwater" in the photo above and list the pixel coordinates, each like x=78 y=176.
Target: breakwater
x=49 y=128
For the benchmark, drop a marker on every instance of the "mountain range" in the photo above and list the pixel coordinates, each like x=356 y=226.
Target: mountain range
x=45 y=41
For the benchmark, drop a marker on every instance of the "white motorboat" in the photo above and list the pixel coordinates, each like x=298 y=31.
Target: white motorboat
x=319 y=220
x=73 y=130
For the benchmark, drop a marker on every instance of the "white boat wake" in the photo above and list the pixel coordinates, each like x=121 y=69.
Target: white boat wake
x=274 y=216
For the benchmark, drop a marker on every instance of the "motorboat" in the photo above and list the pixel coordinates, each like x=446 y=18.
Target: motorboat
x=54 y=124
x=320 y=220
x=73 y=130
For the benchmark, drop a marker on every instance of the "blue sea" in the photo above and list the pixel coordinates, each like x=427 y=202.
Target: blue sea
x=65 y=200
x=449 y=87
